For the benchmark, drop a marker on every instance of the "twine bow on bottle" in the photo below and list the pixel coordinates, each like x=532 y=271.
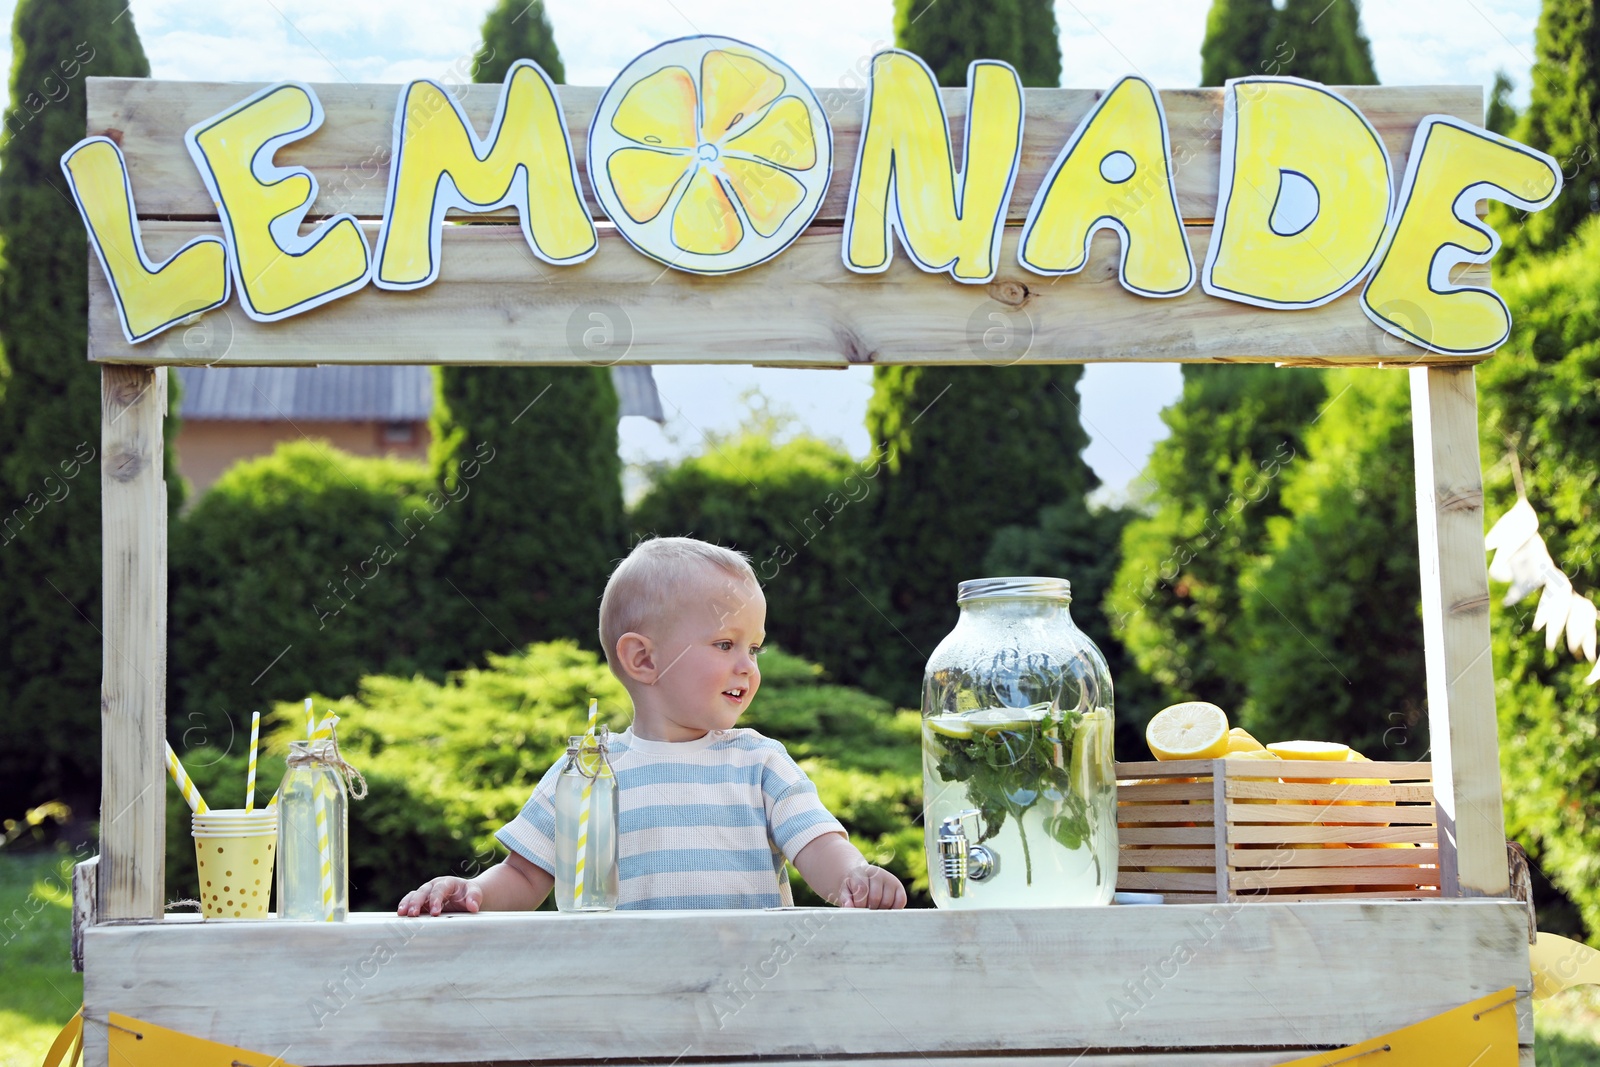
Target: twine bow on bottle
x=325 y=750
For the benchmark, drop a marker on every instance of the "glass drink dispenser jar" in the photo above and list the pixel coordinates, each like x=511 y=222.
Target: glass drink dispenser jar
x=1019 y=791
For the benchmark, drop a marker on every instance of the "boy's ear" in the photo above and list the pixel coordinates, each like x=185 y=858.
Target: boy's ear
x=636 y=656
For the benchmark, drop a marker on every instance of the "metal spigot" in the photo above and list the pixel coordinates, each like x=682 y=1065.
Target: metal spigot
x=963 y=862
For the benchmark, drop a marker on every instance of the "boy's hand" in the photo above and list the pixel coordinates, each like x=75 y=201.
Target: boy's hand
x=872 y=887
x=448 y=893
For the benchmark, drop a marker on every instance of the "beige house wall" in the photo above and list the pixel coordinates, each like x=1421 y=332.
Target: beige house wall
x=208 y=447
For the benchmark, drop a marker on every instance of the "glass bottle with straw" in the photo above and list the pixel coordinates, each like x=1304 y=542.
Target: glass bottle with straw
x=313 y=826
x=586 y=823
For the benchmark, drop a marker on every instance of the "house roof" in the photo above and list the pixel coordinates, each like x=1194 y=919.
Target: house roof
x=351 y=393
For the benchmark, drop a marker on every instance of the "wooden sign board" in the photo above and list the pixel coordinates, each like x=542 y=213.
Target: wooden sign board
x=496 y=303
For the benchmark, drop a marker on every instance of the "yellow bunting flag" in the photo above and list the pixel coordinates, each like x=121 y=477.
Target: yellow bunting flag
x=135 y=1043
x=68 y=1045
x=1482 y=1033
x=1560 y=963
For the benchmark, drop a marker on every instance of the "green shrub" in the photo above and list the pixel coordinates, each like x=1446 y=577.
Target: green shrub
x=1084 y=545
x=50 y=593
x=535 y=539
x=799 y=510
x=449 y=763
x=1540 y=394
x=967 y=451
x=1332 y=613
x=305 y=569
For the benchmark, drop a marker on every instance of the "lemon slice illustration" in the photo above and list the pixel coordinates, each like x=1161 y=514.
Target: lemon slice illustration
x=710 y=155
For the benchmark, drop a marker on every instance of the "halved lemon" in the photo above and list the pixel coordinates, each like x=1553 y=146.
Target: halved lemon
x=710 y=155
x=1192 y=730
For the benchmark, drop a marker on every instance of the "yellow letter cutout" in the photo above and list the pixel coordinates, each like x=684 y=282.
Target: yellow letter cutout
x=1303 y=198
x=1115 y=173
x=905 y=173
x=438 y=163
x=279 y=271
x=1434 y=229
x=150 y=297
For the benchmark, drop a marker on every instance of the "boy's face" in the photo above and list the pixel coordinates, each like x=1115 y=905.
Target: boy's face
x=707 y=656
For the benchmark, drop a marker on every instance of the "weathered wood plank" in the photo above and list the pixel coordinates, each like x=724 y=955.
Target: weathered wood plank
x=810 y=982
x=1455 y=628
x=495 y=304
x=1302 y=833
x=134 y=642
x=1333 y=857
x=1295 y=877
x=1245 y=788
x=85 y=905
x=350 y=154
x=1420 y=814
x=1060 y=1058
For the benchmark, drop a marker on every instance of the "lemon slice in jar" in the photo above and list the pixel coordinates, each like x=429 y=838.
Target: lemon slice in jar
x=955 y=726
x=990 y=720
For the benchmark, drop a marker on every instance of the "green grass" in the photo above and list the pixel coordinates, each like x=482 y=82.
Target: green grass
x=40 y=991
x=1567 y=1029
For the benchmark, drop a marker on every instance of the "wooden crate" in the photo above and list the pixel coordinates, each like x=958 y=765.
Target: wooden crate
x=1290 y=830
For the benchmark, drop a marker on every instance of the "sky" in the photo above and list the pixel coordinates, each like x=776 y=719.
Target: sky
x=1414 y=42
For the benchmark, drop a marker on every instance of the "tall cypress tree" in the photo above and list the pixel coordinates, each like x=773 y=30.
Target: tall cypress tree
x=1307 y=38
x=1179 y=598
x=530 y=453
x=973 y=448
x=1322 y=42
x=50 y=412
x=514 y=31
x=1563 y=119
x=1237 y=39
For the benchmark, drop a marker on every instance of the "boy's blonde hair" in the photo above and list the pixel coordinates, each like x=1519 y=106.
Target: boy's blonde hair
x=647 y=588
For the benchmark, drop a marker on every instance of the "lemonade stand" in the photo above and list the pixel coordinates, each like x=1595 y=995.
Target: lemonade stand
x=709 y=206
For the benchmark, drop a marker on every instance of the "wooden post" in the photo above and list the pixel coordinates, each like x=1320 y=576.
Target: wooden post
x=1455 y=626
x=133 y=718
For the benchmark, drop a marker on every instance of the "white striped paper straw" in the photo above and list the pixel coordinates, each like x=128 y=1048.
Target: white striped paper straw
x=191 y=795
x=250 y=775
x=311 y=719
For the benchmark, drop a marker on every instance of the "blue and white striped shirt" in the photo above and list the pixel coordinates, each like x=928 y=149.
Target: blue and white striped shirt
x=703 y=824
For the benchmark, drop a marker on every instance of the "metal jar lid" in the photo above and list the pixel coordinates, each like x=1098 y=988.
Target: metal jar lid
x=1014 y=588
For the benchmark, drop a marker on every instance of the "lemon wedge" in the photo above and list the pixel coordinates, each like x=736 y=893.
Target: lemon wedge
x=1240 y=740
x=1192 y=730
x=1317 y=750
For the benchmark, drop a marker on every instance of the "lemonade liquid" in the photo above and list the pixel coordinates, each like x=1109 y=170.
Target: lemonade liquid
x=1050 y=782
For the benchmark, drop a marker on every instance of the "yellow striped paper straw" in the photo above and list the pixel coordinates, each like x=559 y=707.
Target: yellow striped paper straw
x=324 y=853
x=250 y=775
x=583 y=814
x=311 y=719
x=191 y=795
x=323 y=731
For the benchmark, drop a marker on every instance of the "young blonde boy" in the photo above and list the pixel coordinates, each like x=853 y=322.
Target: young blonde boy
x=709 y=812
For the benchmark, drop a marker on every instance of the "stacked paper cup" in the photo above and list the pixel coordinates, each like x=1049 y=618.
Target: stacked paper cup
x=234 y=850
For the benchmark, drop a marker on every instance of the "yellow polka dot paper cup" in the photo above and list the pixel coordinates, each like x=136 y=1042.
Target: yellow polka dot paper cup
x=234 y=850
